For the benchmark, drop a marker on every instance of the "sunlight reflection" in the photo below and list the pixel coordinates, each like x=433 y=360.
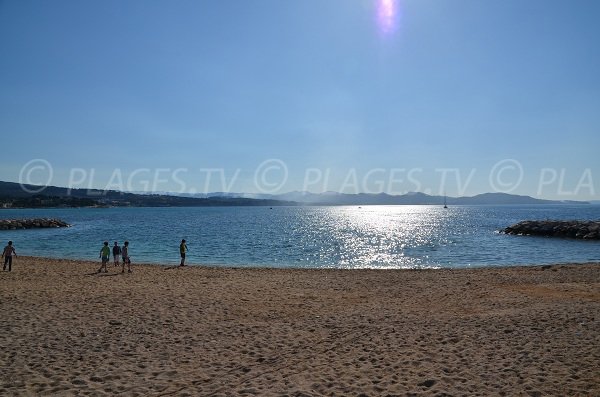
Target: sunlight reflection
x=387 y=236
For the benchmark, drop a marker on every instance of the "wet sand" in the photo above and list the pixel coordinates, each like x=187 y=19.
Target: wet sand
x=519 y=331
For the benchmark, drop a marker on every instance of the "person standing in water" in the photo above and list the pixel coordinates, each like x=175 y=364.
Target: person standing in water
x=7 y=254
x=182 y=250
x=125 y=256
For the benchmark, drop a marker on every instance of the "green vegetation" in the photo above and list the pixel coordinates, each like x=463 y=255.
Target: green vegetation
x=13 y=195
x=42 y=201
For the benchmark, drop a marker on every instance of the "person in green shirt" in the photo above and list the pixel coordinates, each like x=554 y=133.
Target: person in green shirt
x=104 y=254
x=182 y=250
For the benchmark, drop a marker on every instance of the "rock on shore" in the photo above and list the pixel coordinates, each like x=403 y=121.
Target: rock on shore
x=588 y=230
x=14 y=224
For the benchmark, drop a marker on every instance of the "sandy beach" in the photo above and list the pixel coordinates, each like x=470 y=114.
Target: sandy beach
x=205 y=331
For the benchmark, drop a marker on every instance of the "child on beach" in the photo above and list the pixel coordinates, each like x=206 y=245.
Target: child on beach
x=7 y=254
x=125 y=255
x=182 y=250
x=116 y=253
x=104 y=254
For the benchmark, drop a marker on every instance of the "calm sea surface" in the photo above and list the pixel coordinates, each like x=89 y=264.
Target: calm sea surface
x=310 y=237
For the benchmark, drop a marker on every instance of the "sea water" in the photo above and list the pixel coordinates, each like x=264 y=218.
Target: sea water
x=310 y=237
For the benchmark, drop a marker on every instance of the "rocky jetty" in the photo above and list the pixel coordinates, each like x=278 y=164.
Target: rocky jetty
x=14 y=224
x=588 y=230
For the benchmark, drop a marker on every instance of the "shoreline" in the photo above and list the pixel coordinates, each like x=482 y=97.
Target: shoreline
x=175 y=261
x=216 y=267
x=201 y=330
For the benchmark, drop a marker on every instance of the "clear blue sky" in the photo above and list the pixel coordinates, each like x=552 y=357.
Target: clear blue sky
x=462 y=96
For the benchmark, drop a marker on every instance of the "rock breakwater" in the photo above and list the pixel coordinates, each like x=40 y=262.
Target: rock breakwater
x=14 y=224
x=588 y=230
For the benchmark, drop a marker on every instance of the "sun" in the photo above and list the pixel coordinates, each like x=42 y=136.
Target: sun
x=387 y=15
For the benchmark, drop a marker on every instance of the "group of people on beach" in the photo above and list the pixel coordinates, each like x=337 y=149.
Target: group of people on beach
x=118 y=252
x=122 y=253
x=120 y=256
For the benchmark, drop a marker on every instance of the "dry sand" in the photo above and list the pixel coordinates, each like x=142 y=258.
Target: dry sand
x=522 y=331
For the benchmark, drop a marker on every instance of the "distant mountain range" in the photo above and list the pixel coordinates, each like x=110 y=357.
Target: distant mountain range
x=412 y=198
x=17 y=195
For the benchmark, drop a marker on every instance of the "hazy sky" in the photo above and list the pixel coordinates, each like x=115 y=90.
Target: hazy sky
x=461 y=96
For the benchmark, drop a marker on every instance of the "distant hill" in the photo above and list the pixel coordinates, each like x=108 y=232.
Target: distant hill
x=31 y=196
x=413 y=198
x=423 y=199
x=503 y=198
x=17 y=195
